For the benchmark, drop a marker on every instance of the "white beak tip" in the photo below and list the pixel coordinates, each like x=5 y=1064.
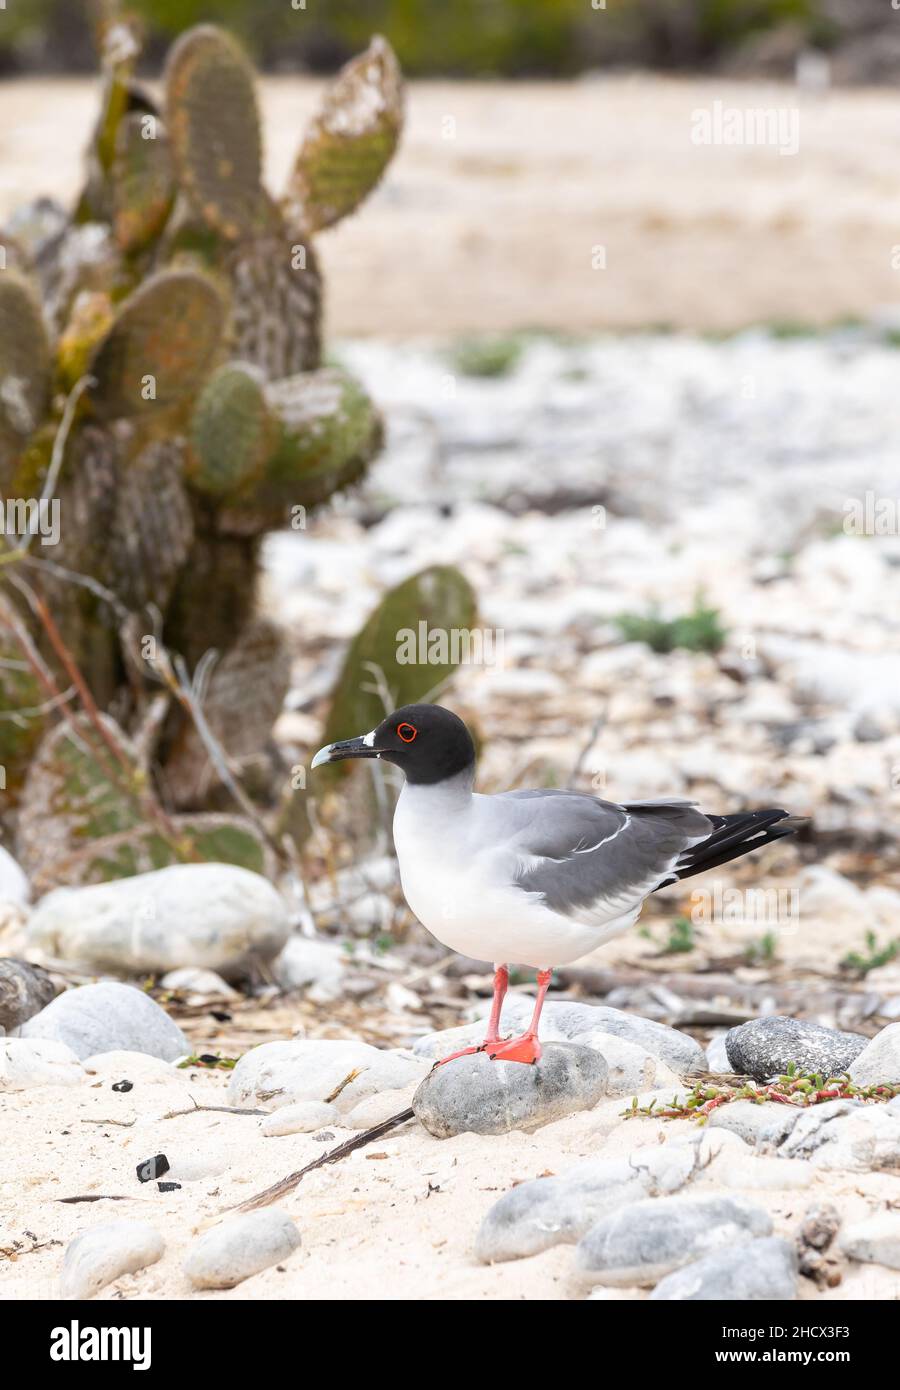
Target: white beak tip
x=323 y=756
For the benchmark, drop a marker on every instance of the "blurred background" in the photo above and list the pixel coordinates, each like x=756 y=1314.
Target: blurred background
x=641 y=389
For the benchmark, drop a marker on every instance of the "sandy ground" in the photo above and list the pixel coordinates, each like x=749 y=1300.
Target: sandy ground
x=502 y=193
x=408 y=1202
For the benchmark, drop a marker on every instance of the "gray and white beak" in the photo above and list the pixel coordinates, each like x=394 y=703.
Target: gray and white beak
x=361 y=747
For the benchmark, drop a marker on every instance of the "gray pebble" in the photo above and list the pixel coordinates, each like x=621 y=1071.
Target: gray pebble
x=647 y=1240
x=475 y=1095
x=758 y=1271
x=880 y=1059
x=554 y=1211
x=765 y=1047
x=758 y=1124
x=24 y=990
x=108 y=1018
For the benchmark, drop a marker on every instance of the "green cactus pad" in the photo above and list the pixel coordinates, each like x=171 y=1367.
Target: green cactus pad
x=160 y=347
x=328 y=431
x=441 y=598
x=69 y=798
x=25 y=364
x=349 y=142
x=276 y=304
x=152 y=528
x=143 y=185
x=90 y=319
x=213 y=126
x=231 y=433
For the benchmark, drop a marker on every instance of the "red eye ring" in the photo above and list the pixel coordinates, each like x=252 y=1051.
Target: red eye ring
x=407 y=732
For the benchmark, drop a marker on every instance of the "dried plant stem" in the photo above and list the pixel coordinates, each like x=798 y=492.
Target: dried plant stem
x=286 y=1185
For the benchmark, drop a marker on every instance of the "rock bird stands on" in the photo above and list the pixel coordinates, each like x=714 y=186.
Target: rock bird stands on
x=538 y=878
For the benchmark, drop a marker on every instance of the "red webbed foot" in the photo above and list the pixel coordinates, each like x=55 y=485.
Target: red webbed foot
x=525 y=1049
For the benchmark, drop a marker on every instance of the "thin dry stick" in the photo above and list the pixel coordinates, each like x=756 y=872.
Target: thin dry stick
x=219 y=1110
x=123 y=1124
x=286 y=1185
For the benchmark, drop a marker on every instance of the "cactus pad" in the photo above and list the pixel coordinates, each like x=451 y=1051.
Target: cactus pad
x=350 y=142
x=327 y=432
x=442 y=598
x=160 y=347
x=25 y=363
x=70 y=798
x=231 y=433
x=214 y=130
x=89 y=322
x=143 y=185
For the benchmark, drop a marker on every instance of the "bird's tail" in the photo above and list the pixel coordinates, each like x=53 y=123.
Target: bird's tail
x=733 y=836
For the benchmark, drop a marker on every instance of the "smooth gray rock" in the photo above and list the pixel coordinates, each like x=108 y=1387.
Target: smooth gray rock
x=109 y=1017
x=876 y=1240
x=106 y=1252
x=215 y=916
x=879 y=1061
x=647 y=1240
x=284 y=1073
x=765 y=1047
x=563 y=1021
x=555 y=1211
x=240 y=1248
x=757 y=1124
x=816 y=1126
x=24 y=990
x=478 y=1096
x=758 y=1271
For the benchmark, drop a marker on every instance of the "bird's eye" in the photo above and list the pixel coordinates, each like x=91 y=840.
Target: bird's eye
x=407 y=732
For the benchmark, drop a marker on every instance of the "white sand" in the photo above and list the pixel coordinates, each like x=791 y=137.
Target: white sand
x=396 y=1220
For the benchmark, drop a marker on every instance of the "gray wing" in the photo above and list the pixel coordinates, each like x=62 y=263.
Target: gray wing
x=587 y=856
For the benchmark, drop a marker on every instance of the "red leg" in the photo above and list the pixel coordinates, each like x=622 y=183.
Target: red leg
x=501 y=983
x=526 y=1048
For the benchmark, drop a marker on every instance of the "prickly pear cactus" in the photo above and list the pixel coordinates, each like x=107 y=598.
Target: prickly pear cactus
x=184 y=303
x=350 y=143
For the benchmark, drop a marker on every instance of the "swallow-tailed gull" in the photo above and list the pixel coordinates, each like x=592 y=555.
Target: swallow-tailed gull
x=538 y=878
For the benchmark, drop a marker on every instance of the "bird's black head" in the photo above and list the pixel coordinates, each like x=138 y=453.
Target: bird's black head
x=427 y=742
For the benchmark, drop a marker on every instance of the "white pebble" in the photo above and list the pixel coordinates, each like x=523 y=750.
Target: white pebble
x=104 y=1253
x=241 y=1247
x=301 y=1118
